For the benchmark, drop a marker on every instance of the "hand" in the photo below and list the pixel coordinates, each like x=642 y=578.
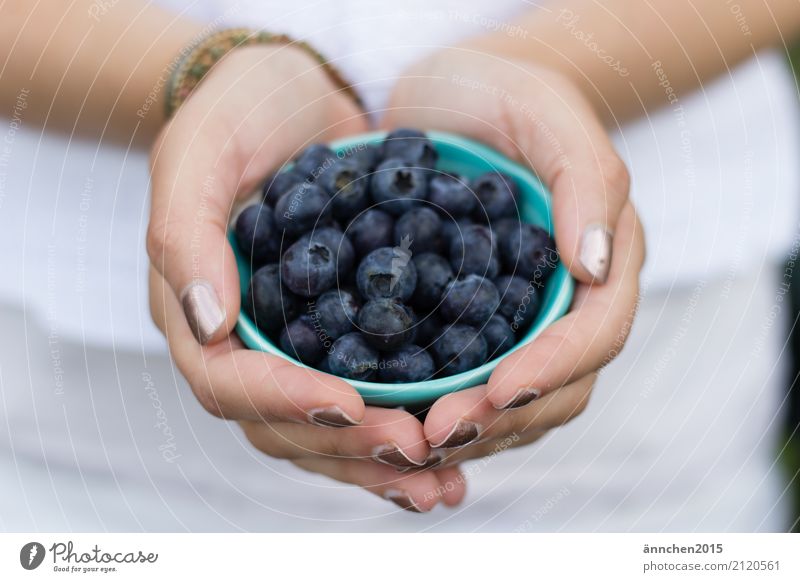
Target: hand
x=255 y=110
x=539 y=118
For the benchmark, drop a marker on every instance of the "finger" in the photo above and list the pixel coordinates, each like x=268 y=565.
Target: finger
x=416 y=492
x=587 y=178
x=236 y=383
x=486 y=449
x=587 y=338
x=205 y=157
x=388 y=436
x=464 y=417
x=453 y=485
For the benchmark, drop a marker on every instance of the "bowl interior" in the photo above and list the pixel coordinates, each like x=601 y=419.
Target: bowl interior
x=468 y=158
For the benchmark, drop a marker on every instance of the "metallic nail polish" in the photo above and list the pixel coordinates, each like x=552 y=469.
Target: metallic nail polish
x=462 y=433
x=202 y=310
x=596 y=251
x=523 y=397
x=332 y=416
x=391 y=454
x=402 y=499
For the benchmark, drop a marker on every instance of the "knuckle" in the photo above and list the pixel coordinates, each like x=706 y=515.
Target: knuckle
x=208 y=400
x=162 y=239
x=615 y=175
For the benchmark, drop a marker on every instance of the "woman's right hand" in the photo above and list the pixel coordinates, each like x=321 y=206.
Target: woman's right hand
x=257 y=108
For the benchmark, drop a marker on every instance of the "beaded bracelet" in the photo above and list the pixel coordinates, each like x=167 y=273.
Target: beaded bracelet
x=204 y=54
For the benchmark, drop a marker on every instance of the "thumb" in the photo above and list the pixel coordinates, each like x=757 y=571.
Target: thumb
x=192 y=197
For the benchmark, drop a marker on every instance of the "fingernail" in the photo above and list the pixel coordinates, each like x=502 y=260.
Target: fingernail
x=434 y=459
x=523 y=397
x=402 y=499
x=202 y=310
x=333 y=416
x=391 y=454
x=462 y=433
x=596 y=251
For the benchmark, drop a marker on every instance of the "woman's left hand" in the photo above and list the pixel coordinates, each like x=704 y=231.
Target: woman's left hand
x=539 y=118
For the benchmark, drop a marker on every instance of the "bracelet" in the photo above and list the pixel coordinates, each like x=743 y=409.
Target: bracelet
x=200 y=57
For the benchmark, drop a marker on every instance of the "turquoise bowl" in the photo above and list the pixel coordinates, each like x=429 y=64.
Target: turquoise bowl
x=468 y=158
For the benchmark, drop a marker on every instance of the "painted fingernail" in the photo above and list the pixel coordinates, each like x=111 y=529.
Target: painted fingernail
x=434 y=459
x=391 y=454
x=523 y=397
x=596 y=251
x=202 y=309
x=402 y=499
x=462 y=433
x=333 y=416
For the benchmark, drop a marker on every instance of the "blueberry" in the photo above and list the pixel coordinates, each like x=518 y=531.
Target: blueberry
x=278 y=184
x=475 y=252
x=454 y=230
x=498 y=335
x=303 y=207
x=497 y=196
x=269 y=304
x=299 y=339
x=334 y=313
x=386 y=324
x=433 y=275
x=519 y=300
x=397 y=186
x=371 y=230
x=471 y=300
x=428 y=328
x=257 y=235
x=352 y=357
x=530 y=253
x=408 y=364
x=451 y=196
x=421 y=227
x=314 y=160
x=308 y=268
x=459 y=349
x=387 y=273
x=410 y=145
x=347 y=184
x=502 y=229
x=343 y=253
x=367 y=156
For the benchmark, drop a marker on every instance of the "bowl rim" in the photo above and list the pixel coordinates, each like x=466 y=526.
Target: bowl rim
x=428 y=389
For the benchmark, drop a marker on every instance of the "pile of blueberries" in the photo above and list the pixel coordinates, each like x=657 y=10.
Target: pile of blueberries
x=372 y=264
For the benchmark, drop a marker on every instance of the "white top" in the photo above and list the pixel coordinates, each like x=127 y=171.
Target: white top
x=716 y=184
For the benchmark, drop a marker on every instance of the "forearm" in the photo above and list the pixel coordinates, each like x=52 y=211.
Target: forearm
x=611 y=49
x=88 y=70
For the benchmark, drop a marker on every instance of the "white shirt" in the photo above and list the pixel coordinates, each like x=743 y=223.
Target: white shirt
x=716 y=185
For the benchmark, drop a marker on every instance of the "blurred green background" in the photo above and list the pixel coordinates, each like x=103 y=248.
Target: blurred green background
x=790 y=451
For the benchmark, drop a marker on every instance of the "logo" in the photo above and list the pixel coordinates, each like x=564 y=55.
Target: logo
x=400 y=257
x=31 y=555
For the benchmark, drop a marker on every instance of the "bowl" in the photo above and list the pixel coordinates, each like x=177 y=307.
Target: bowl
x=468 y=158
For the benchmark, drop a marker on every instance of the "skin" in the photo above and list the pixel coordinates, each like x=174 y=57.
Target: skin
x=222 y=143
